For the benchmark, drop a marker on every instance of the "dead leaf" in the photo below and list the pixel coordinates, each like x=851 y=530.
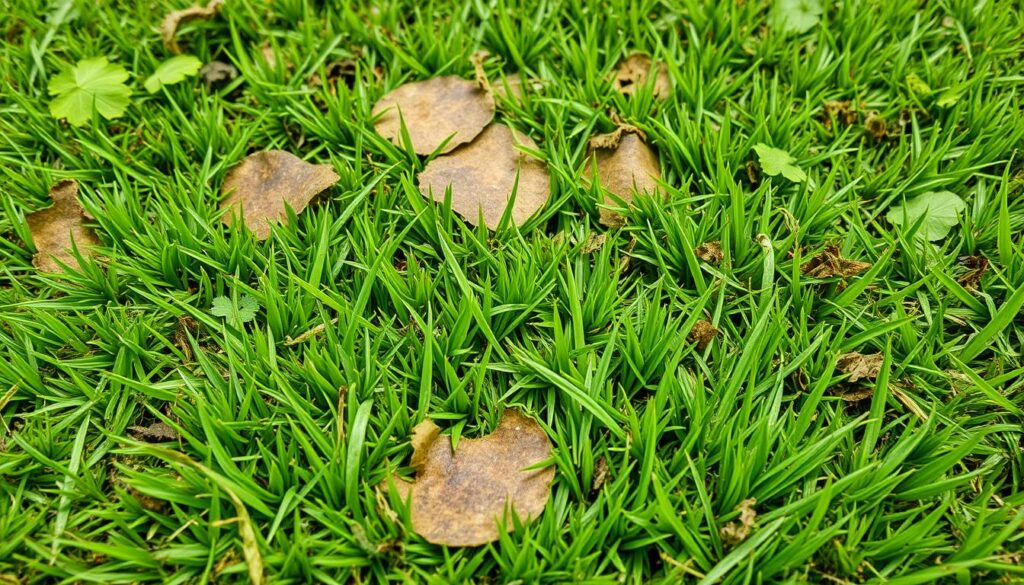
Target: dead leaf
x=829 y=262
x=218 y=73
x=625 y=166
x=479 y=74
x=702 y=333
x=457 y=499
x=482 y=175
x=875 y=126
x=600 y=474
x=173 y=20
x=155 y=433
x=710 y=252
x=843 y=112
x=734 y=533
x=851 y=393
x=56 y=227
x=434 y=110
x=976 y=267
x=266 y=182
x=335 y=72
x=632 y=72
x=859 y=366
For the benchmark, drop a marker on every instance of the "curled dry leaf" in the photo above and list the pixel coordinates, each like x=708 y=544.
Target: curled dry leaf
x=843 y=112
x=266 y=183
x=975 y=267
x=55 y=228
x=710 y=252
x=173 y=20
x=600 y=475
x=632 y=72
x=875 y=126
x=859 y=366
x=154 y=433
x=829 y=262
x=482 y=175
x=625 y=166
x=434 y=110
x=702 y=333
x=459 y=498
x=736 y=532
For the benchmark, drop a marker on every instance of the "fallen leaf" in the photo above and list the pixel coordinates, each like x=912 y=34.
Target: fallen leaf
x=594 y=243
x=710 y=252
x=458 y=498
x=482 y=175
x=91 y=85
x=155 y=433
x=55 y=229
x=795 y=16
x=702 y=333
x=859 y=366
x=171 y=71
x=875 y=126
x=625 y=166
x=479 y=73
x=843 y=112
x=173 y=20
x=775 y=161
x=830 y=262
x=852 y=393
x=600 y=474
x=268 y=182
x=940 y=210
x=434 y=110
x=975 y=266
x=633 y=71
x=335 y=72
x=217 y=72
x=736 y=532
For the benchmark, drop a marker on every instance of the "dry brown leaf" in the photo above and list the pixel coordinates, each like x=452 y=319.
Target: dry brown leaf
x=266 y=182
x=594 y=243
x=843 y=112
x=976 y=267
x=625 y=169
x=458 y=499
x=734 y=533
x=830 y=263
x=154 y=433
x=702 y=333
x=479 y=74
x=710 y=252
x=173 y=20
x=56 y=227
x=859 y=366
x=432 y=111
x=632 y=72
x=875 y=126
x=482 y=175
x=600 y=474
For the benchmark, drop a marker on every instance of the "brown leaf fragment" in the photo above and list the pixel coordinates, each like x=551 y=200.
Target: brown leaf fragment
x=632 y=72
x=600 y=474
x=702 y=333
x=55 y=228
x=829 y=262
x=155 y=433
x=268 y=182
x=482 y=175
x=875 y=126
x=843 y=112
x=458 y=498
x=859 y=366
x=173 y=20
x=479 y=73
x=627 y=168
x=736 y=532
x=710 y=252
x=341 y=71
x=594 y=243
x=217 y=73
x=975 y=266
x=851 y=393
x=434 y=110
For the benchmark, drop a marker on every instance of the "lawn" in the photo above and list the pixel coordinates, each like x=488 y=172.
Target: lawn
x=794 y=358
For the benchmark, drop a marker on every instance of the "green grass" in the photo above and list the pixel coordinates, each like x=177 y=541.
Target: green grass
x=424 y=316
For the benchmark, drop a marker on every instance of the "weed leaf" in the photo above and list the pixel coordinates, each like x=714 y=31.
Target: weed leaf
x=775 y=161
x=173 y=70
x=940 y=210
x=91 y=84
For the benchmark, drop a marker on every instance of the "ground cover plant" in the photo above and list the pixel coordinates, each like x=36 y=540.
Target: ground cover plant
x=793 y=356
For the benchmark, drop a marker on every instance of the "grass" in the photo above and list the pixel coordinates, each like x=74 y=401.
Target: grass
x=285 y=446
